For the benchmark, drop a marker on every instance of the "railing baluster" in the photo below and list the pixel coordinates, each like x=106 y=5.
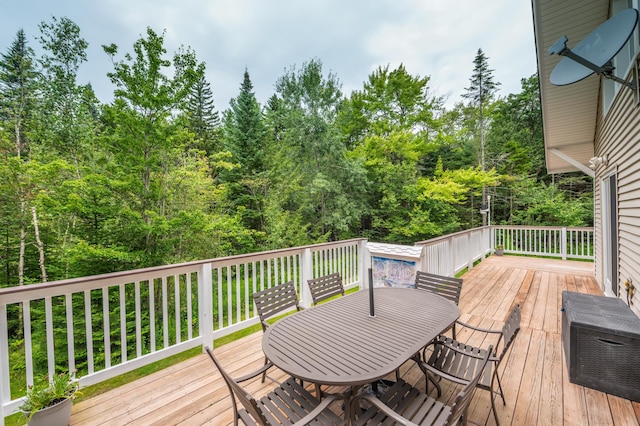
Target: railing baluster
x=5 y=379
x=106 y=327
x=176 y=307
x=51 y=355
x=247 y=286
x=28 y=343
x=189 y=307
x=68 y=300
x=123 y=324
x=88 y=330
x=220 y=300
x=137 y=296
x=165 y=314
x=152 y=314
x=229 y=297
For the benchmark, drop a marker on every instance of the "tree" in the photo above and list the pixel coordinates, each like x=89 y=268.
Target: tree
x=480 y=94
x=245 y=138
x=314 y=182
x=17 y=89
x=145 y=141
x=202 y=118
x=67 y=114
x=244 y=129
x=393 y=125
x=17 y=98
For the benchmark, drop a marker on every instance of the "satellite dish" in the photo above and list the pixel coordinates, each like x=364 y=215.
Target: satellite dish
x=594 y=53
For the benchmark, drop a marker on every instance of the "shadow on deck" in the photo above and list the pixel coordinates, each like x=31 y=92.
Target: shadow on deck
x=535 y=378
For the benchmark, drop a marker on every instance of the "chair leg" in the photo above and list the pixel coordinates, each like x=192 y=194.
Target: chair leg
x=454 y=331
x=428 y=379
x=500 y=387
x=493 y=407
x=264 y=374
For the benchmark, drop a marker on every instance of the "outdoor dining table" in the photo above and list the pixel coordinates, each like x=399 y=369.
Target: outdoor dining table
x=339 y=343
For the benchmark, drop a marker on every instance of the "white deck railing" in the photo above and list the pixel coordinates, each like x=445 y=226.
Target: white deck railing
x=450 y=254
x=548 y=241
x=106 y=325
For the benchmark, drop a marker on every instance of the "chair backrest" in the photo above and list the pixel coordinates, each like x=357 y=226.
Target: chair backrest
x=274 y=300
x=463 y=399
x=448 y=287
x=510 y=329
x=236 y=391
x=325 y=287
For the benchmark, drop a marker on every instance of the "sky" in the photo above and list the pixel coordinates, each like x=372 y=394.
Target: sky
x=352 y=38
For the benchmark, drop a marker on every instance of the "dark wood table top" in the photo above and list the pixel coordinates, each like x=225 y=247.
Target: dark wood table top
x=338 y=343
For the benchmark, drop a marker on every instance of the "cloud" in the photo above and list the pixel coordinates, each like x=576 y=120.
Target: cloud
x=351 y=38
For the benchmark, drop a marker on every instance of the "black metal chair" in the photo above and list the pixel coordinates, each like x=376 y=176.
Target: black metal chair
x=406 y=405
x=325 y=287
x=288 y=404
x=447 y=287
x=460 y=363
x=274 y=301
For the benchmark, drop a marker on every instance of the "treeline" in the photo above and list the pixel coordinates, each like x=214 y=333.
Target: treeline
x=160 y=176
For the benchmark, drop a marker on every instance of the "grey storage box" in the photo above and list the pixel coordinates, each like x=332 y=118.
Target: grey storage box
x=601 y=339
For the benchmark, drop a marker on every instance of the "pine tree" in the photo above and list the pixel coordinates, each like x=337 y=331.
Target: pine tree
x=245 y=130
x=17 y=89
x=202 y=118
x=480 y=95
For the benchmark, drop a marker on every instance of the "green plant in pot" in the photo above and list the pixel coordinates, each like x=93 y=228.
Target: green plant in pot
x=49 y=402
x=499 y=250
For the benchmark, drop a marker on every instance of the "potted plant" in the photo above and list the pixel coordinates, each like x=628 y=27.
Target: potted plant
x=499 y=250
x=49 y=402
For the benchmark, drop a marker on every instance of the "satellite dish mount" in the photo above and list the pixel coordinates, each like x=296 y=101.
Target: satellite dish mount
x=606 y=70
x=594 y=54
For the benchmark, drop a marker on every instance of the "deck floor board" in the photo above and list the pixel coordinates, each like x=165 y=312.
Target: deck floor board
x=534 y=376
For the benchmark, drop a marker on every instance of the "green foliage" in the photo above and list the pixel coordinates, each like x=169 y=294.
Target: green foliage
x=46 y=393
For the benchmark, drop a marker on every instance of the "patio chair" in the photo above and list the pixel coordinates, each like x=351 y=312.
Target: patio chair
x=404 y=404
x=289 y=403
x=460 y=362
x=274 y=301
x=447 y=287
x=325 y=287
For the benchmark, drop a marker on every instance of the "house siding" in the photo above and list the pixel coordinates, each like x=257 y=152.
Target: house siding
x=618 y=137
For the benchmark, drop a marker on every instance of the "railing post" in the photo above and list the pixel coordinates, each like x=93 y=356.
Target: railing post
x=452 y=257
x=470 y=255
x=563 y=243
x=5 y=387
x=306 y=264
x=205 y=305
x=365 y=264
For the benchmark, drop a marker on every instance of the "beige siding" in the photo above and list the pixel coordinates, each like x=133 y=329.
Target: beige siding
x=618 y=137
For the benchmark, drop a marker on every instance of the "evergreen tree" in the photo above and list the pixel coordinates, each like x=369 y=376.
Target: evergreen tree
x=244 y=130
x=480 y=95
x=17 y=89
x=202 y=118
x=244 y=137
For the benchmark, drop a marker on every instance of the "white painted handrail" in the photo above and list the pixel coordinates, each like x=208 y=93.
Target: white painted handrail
x=139 y=317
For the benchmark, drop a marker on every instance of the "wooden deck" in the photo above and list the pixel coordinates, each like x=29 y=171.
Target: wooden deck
x=535 y=377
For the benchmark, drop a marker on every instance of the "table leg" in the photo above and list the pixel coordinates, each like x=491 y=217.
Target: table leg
x=348 y=398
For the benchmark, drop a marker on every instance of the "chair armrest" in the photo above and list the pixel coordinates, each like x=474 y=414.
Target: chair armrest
x=382 y=407
x=440 y=373
x=255 y=373
x=328 y=399
x=485 y=330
